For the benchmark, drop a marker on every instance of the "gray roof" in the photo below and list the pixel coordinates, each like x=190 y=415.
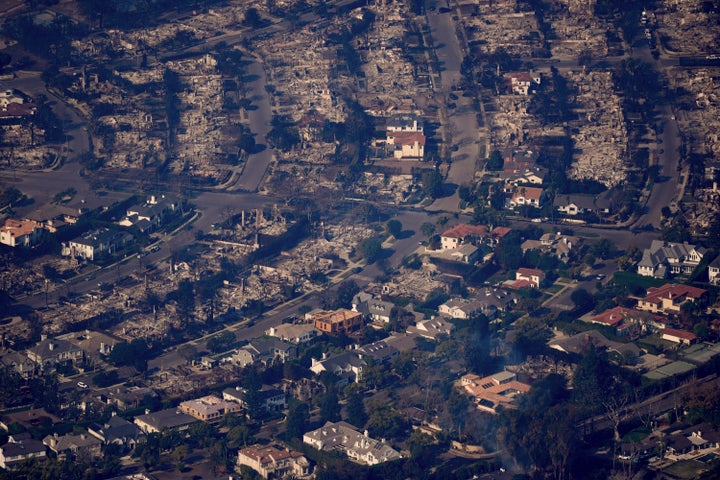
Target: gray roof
x=166 y=419
x=586 y=202
x=378 y=351
x=26 y=447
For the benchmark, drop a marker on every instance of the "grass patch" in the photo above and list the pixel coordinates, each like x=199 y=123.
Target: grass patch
x=553 y=289
x=634 y=436
x=633 y=280
x=685 y=469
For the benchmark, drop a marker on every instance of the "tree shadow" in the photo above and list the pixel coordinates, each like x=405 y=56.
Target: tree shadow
x=405 y=234
x=250 y=78
x=257 y=148
x=447 y=190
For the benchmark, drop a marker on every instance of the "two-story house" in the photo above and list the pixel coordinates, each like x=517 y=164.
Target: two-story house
x=273 y=461
x=359 y=447
x=664 y=259
x=20 y=233
x=266 y=351
x=51 y=352
x=670 y=298
x=532 y=196
x=338 y=322
x=92 y=245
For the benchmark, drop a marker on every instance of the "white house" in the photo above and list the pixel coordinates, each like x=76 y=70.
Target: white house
x=345 y=438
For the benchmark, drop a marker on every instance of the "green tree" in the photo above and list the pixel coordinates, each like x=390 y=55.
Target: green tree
x=531 y=336
x=394 y=228
x=330 y=406
x=355 y=408
x=297 y=419
x=495 y=161
x=417 y=442
x=370 y=249
x=427 y=229
x=431 y=181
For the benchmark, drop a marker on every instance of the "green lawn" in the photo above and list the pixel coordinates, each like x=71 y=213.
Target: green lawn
x=631 y=280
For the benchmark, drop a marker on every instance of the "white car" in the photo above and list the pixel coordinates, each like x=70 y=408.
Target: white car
x=82 y=385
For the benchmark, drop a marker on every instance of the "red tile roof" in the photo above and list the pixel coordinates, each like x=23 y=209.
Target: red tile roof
x=464 y=230
x=673 y=290
x=407 y=138
x=529 y=272
x=684 y=334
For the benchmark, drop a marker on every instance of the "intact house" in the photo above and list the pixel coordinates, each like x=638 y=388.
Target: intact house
x=168 y=420
x=464 y=233
x=271 y=399
x=152 y=214
x=498 y=390
x=210 y=408
x=76 y=447
x=714 y=271
x=531 y=196
x=266 y=351
x=293 y=333
x=377 y=310
x=19 y=449
x=404 y=132
x=51 y=352
x=520 y=83
x=681 y=337
x=461 y=308
x=574 y=204
x=348 y=366
x=627 y=321
x=359 y=447
x=670 y=298
x=407 y=145
x=526 y=277
x=664 y=259
x=19 y=362
x=698 y=437
x=94 y=244
x=378 y=352
x=431 y=329
x=20 y=233
x=274 y=461
x=118 y=431
x=338 y=322
x=555 y=244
